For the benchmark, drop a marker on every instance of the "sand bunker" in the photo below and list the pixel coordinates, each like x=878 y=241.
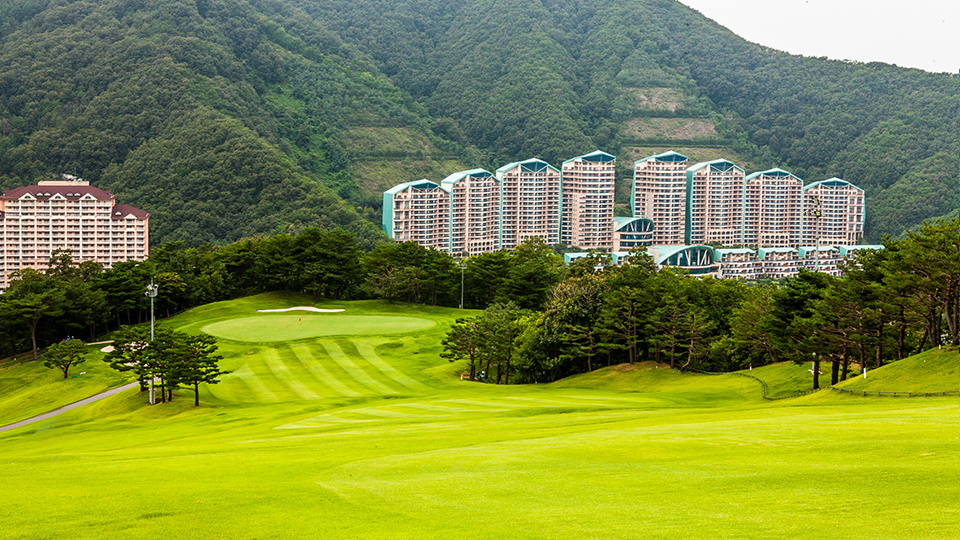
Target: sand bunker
x=301 y=308
x=108 y=348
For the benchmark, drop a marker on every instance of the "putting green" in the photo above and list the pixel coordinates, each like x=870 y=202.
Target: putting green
x=305 y=325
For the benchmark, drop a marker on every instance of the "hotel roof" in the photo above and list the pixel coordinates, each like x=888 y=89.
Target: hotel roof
x=832 y=182
x=539 y=163
x=666 y=156
x=712 y=163
x=69 y=192
x=774 y=172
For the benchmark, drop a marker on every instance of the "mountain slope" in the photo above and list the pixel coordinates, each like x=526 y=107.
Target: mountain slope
x=230 y=118
x=207 y=114
x=549 y=77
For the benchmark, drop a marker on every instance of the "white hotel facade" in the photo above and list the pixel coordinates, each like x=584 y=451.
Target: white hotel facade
x=69 y=214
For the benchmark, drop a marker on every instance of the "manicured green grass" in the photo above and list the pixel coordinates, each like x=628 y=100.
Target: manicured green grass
x=936 y=370
x=363 y=436
x=306 y=325
x=29 y=388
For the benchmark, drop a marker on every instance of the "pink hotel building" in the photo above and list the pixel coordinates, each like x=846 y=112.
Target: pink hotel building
x=674 y=204
x=68 y=214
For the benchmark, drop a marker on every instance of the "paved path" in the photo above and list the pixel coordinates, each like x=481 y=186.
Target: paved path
x=66 y=408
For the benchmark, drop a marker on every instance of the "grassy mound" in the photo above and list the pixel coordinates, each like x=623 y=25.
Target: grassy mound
x=930 y=371
x=303 y=326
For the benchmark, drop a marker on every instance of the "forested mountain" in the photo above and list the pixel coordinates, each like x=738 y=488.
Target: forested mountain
x=227 y=118
x=207 y=114
x=549 y=77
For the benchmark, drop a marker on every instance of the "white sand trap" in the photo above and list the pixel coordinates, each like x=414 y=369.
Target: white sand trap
x=108 y=348
x=301 y=308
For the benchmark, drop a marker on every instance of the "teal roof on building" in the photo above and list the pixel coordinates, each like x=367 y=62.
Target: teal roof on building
x=804 y=250
x=846 y=250
x=733 y=251
x=665 y=252
x=448 y=182
x=539 y=164
x=417 y=184
x=725 y=163
x=832 y=182
x=621 y=222
x=596 y=156
x=670 y=156
x=763 y=252
x=774 y=172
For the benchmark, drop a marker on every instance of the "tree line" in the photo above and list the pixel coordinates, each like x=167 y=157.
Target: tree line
x=542 y=319
x=887 y=305
x=85 y=300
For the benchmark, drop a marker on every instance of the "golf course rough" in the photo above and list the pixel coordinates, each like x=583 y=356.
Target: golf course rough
x=306 y=325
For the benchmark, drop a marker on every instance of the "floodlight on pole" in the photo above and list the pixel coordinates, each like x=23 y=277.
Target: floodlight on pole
x=152 y=289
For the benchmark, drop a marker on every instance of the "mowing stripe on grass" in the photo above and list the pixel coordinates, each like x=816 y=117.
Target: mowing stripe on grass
x=387 y=413
x=307 y=359
x=283 y=373
x=321 y=421
x=554 y=403
x=445 y=408
x=246 y=375
x=336 y=353
x=366 y=349
x=487 y=403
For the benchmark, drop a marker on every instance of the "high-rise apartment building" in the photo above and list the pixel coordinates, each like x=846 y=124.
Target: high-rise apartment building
x=715 y=203
x=474 y=211
x=68 y=214
x=660 y=194
x=673 y=205
x=418 y=212
x=772 y=210
x=587 y=186
x=530 y=200
x=840 y=207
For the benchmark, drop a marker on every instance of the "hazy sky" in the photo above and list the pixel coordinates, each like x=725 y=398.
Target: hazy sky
x=923 y=34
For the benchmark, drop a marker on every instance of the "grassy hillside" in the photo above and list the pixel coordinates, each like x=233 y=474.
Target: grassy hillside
x=352 y=433
x=931 y=371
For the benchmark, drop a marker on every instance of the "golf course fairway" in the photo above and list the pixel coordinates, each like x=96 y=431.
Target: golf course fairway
x=361 y=434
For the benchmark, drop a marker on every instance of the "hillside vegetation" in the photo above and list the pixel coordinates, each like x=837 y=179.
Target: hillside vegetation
x=551 y=78
x=209 y=115
x=226 y=119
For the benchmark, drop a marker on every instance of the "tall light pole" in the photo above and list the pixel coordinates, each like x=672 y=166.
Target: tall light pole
x=462 y=264
x=152 y=293
x=461 y=283
x=816 y=212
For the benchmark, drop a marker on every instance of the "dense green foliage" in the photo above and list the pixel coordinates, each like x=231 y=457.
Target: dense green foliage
x=555 y=78
x=543 y=320
x=887 y=305
x=209 y=115
x=172 y=358
x=225 y=119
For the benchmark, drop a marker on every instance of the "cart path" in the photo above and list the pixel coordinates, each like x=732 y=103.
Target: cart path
x=66 y=408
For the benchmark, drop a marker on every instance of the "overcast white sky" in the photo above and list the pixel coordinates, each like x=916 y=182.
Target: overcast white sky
x=922 y=34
